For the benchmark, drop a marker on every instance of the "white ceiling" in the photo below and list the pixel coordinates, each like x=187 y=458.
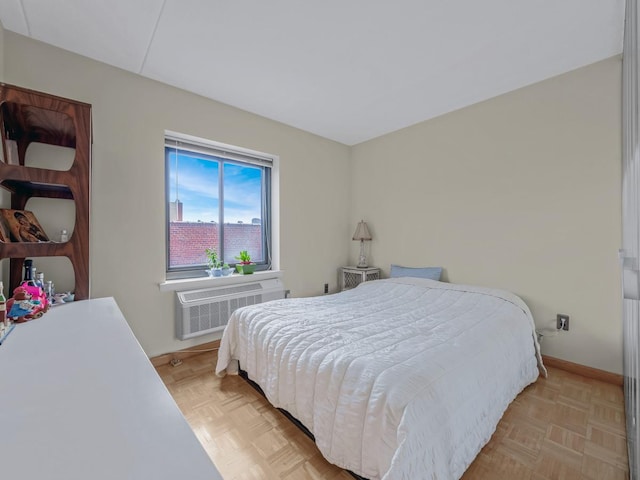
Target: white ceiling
x=348 y=70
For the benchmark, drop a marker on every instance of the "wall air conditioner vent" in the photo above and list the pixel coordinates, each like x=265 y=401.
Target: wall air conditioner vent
x=207 y=310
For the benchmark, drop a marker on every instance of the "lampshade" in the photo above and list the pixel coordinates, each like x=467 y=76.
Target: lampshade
x=362 y=231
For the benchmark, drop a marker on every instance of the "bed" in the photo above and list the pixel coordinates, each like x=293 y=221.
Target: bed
x=397 y=378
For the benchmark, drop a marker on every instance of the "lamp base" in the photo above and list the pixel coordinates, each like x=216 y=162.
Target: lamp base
x=362 y=261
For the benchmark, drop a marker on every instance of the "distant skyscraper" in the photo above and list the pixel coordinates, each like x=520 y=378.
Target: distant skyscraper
x=175 y=211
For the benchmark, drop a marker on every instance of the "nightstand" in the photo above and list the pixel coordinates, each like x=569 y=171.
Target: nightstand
x=354 y=276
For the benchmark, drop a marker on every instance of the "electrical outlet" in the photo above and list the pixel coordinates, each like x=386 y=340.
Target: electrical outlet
x=562 y=322
x=326 y=288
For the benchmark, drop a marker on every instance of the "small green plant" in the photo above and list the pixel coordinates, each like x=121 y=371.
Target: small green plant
x=244 y=257
x=212 y=258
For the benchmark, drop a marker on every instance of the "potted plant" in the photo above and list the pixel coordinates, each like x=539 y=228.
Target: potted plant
x=213 y=262
x=245 y=266
x=226 y=270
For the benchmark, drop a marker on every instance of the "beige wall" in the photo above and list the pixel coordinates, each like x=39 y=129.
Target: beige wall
x=521 y=192
x=1 y=53
x=130 y=114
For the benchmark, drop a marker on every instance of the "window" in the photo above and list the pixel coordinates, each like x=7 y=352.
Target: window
x=218 y=196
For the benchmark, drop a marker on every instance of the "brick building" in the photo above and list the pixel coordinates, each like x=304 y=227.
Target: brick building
x=189 y=240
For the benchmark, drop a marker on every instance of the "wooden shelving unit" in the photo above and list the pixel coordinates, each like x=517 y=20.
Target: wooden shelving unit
x=26 y=117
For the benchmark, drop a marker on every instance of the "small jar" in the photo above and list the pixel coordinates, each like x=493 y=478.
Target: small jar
x=64 y=236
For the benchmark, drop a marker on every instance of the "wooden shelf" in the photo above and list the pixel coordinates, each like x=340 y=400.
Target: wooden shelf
x=33 y=189
x=26 y=117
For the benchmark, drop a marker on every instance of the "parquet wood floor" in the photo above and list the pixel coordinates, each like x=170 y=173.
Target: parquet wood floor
x=564 y=427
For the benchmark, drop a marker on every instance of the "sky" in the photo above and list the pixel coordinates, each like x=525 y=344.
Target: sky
x=198 y=189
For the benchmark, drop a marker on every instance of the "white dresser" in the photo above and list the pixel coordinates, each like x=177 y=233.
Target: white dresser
x=80 y=400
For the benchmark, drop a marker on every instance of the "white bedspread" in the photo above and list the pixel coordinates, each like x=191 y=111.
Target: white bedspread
x=397 y=379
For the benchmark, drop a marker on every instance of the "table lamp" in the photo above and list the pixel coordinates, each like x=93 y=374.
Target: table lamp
x=362 y=234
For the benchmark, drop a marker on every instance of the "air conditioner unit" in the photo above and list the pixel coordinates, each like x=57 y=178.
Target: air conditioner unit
x=207 y=310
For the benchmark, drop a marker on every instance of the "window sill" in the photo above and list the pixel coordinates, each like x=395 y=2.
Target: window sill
x=208 y=282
